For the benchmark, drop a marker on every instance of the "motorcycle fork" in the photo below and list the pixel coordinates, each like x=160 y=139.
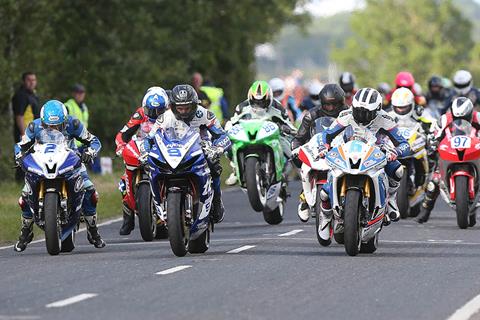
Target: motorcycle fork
x=41 y=195
x=64 y=203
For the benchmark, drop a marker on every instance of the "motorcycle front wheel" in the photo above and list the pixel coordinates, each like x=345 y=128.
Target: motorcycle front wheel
x=351 y=219
x=461 y=201
x=252 y=179
x=176 y=224
x=146 y=222
x=52 y=236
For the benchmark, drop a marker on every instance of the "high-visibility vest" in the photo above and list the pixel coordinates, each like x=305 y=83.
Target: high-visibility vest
x=215 y=95
x=75 y=110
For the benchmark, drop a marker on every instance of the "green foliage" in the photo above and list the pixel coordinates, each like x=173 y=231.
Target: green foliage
x=118 y=48
x=425 y=37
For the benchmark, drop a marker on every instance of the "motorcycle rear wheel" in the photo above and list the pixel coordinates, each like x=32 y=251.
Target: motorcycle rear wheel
x=461 y=201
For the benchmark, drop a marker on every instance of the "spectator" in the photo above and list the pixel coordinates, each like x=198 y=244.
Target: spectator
x=218 y=102
x=197 y=81
x=76 y=105
x=26 y=108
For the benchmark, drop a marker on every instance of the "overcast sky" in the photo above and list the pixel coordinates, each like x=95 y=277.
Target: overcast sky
x=330 y=7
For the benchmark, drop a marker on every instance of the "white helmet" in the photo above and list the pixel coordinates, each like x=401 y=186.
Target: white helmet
x=278 y=88
x=155 y=90
x=365 y=105
x=314 y=92
x=403 y=102
x=462 y=81
x=462 y=108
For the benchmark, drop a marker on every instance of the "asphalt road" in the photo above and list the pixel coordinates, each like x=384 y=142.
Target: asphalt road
x=419 y=272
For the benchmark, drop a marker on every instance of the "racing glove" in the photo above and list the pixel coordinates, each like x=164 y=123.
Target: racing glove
x=119 y=149
x=87 y=155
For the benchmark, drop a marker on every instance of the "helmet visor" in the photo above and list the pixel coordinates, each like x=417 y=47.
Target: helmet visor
x=403 y=110
x=153 y=113
x=363 y=115
x=261 y=104
x=184 y=111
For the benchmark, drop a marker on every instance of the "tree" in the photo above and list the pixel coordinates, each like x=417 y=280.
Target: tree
x=424 y=37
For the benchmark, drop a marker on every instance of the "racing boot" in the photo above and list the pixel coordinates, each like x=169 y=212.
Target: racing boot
x=325 y=218
x=431 y=195
x=218 y=211
x=392 y=208
x=92 y=232
x=472 y=219
x=303 y=209
x=128 y=221
x=26 y=235
x=232 y=178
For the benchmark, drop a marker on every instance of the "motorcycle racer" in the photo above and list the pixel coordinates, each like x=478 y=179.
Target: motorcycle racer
x=366 y=117
x=260 y=98
x=186 y=108
x=461 y=108
x=332 y=102
x=54 y=115
x=154 y=103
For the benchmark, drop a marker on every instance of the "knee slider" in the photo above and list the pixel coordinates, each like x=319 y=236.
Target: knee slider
x=398 y=174
x=324 y=195
x=92 y=194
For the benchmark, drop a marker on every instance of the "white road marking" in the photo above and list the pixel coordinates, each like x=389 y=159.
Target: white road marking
x=173 y=270
x=19 y=317
x=106 y=223
x=445 y=241
x=71 y=300
x=468 y=310
x=238 y=250
x=290 y=233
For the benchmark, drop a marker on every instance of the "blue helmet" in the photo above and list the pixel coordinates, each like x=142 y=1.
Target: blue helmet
x=155 y=102
x=53 y=114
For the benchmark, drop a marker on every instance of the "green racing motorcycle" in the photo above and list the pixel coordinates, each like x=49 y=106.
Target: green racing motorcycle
x=259 y=164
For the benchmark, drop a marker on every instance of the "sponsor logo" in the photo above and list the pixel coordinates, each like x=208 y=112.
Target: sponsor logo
x=199 y=114
x=210 y=115
x=182 y=94
x=78 y=184
x=53 y=118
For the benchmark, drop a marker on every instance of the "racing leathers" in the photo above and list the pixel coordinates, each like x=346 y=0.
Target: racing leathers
x=72 y=130
x=433 y=188
x=205 y=122
x=381 y=128
x=136 y=121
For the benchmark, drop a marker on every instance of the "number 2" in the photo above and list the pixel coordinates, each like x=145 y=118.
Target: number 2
x=50 y=148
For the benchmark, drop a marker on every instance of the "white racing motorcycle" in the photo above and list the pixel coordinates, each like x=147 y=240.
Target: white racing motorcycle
x=358 y=193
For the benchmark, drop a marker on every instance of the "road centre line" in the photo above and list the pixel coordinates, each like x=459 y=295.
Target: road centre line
x=173 y=270
x=238 y=250
x=290 y=233
x=71 y=300
x=468 y=310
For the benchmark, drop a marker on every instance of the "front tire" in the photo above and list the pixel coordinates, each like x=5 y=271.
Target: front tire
x=402 y=196
x=251 y=180
x=145 y=218
x=352 y=221
x=462 y=201
x=176 y=224
x=318 y=214
x=52 y=236
x=275 y=216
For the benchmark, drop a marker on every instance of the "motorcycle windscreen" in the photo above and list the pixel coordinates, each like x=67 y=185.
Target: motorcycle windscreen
x=461 y=131
x=51 y=136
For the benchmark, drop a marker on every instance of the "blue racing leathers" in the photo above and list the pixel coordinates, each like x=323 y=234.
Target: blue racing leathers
x=73 y=129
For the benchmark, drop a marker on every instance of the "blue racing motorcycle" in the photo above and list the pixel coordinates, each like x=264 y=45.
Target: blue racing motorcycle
x=182 y=188
x=54 y=189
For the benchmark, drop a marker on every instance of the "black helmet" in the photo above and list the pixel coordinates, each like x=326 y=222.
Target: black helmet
x=347 y=81
x=332 y=99
x=184 y=101
x=435 y=81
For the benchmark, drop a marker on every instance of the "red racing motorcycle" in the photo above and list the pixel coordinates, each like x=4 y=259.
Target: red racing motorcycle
x=459 y=166
x=137 y=183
